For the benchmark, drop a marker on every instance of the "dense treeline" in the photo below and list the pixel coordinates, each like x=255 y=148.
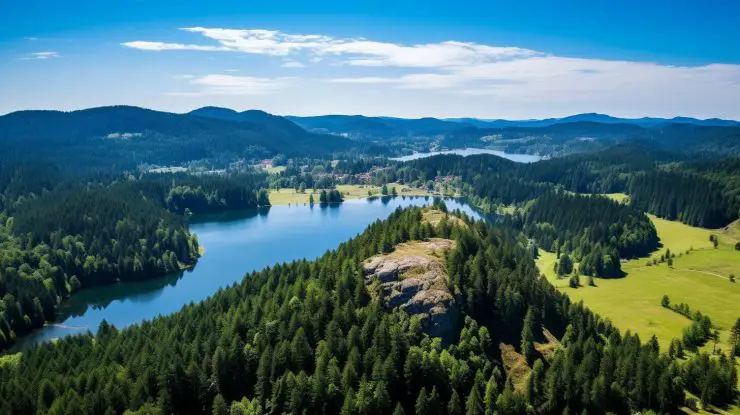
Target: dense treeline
x=597 y=230
x=69 y=240
x=309 y=337
x=482 y=176
x=667 y=184
x=690 y=198
x=65 y=237
x=605 y=171
x=109 y=233
x=187 y=193
x=121 y=138
x=19 y=181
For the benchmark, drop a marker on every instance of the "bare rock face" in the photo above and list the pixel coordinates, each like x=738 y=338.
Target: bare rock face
x=387 y=269
x=418 y=285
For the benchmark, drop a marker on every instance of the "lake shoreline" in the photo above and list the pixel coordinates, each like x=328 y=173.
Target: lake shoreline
x=472 y=151
x=238 y=243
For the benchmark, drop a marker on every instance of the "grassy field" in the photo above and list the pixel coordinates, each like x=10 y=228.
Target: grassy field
x=699 y=279
x=275 y=169
x=731 y=232
x=290 y=196
x=618 y=197
x=361 y=191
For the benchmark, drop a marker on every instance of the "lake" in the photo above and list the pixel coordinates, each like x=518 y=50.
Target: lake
x=519 y=158
x=235 y=244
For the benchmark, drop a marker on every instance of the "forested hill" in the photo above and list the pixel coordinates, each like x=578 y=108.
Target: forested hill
x=62 y=237
x=122 y=137
x=316 y=337
x=595 y=230
x=562 y=136
x=668 y=184
x=378 y=127
x=570 y=137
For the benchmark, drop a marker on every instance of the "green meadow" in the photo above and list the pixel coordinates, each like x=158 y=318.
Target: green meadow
x=699 y=277
x=287 y=196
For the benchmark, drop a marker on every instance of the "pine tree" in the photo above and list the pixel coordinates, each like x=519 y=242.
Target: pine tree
x=735 y=338
x=474 y=404
x=527 y=344
x=491 y=395
x=565 y=265
x=219 y=406
x=454 y=406
x=348 y=406
x=435 y=404
x=422 y=403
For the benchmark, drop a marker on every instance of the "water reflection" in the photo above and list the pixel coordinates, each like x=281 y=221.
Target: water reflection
x=235 y=243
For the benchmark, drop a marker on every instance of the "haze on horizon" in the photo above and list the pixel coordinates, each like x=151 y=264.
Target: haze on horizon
x=490 y=62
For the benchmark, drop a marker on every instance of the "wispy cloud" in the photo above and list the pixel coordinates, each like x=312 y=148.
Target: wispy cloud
x=162 y=46
x=292 y=64
x=467 y=68
x=356 y=52
x=40 y=56
x=220 y=84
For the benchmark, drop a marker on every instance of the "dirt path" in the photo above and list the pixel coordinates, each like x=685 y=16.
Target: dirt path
x=704 y=272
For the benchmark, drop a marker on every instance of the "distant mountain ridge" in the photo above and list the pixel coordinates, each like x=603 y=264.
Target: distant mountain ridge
x=392 y=125
x=595 y=117
x=125 y=136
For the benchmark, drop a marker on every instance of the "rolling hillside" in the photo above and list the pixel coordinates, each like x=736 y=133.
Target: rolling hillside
x=123 y=137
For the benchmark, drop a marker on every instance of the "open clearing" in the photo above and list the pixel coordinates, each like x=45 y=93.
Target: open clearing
x=287 y=196
x=699 y=279
x=618 y=197
x=275 y=169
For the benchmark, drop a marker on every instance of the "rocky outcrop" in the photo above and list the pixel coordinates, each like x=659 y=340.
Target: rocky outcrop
x=417 y=284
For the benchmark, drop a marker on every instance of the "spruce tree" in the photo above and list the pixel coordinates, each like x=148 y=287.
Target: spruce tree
x=474 y=404
x=422 y=403
x=527 y=344
x=454 y=406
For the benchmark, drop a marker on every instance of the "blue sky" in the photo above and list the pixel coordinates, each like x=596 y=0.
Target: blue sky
x=487 y=59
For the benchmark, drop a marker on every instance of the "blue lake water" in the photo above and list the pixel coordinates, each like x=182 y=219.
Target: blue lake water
x=235 y=244
x=519 y=158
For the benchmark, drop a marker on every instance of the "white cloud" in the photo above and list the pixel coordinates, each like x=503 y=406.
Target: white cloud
x=293 y=64
x=432 y=55
x=220 y=84
x=162 y=46
x=465 y=69
x=557 y=79
x=40 y=56
x=358 y=52
x=365 y=80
